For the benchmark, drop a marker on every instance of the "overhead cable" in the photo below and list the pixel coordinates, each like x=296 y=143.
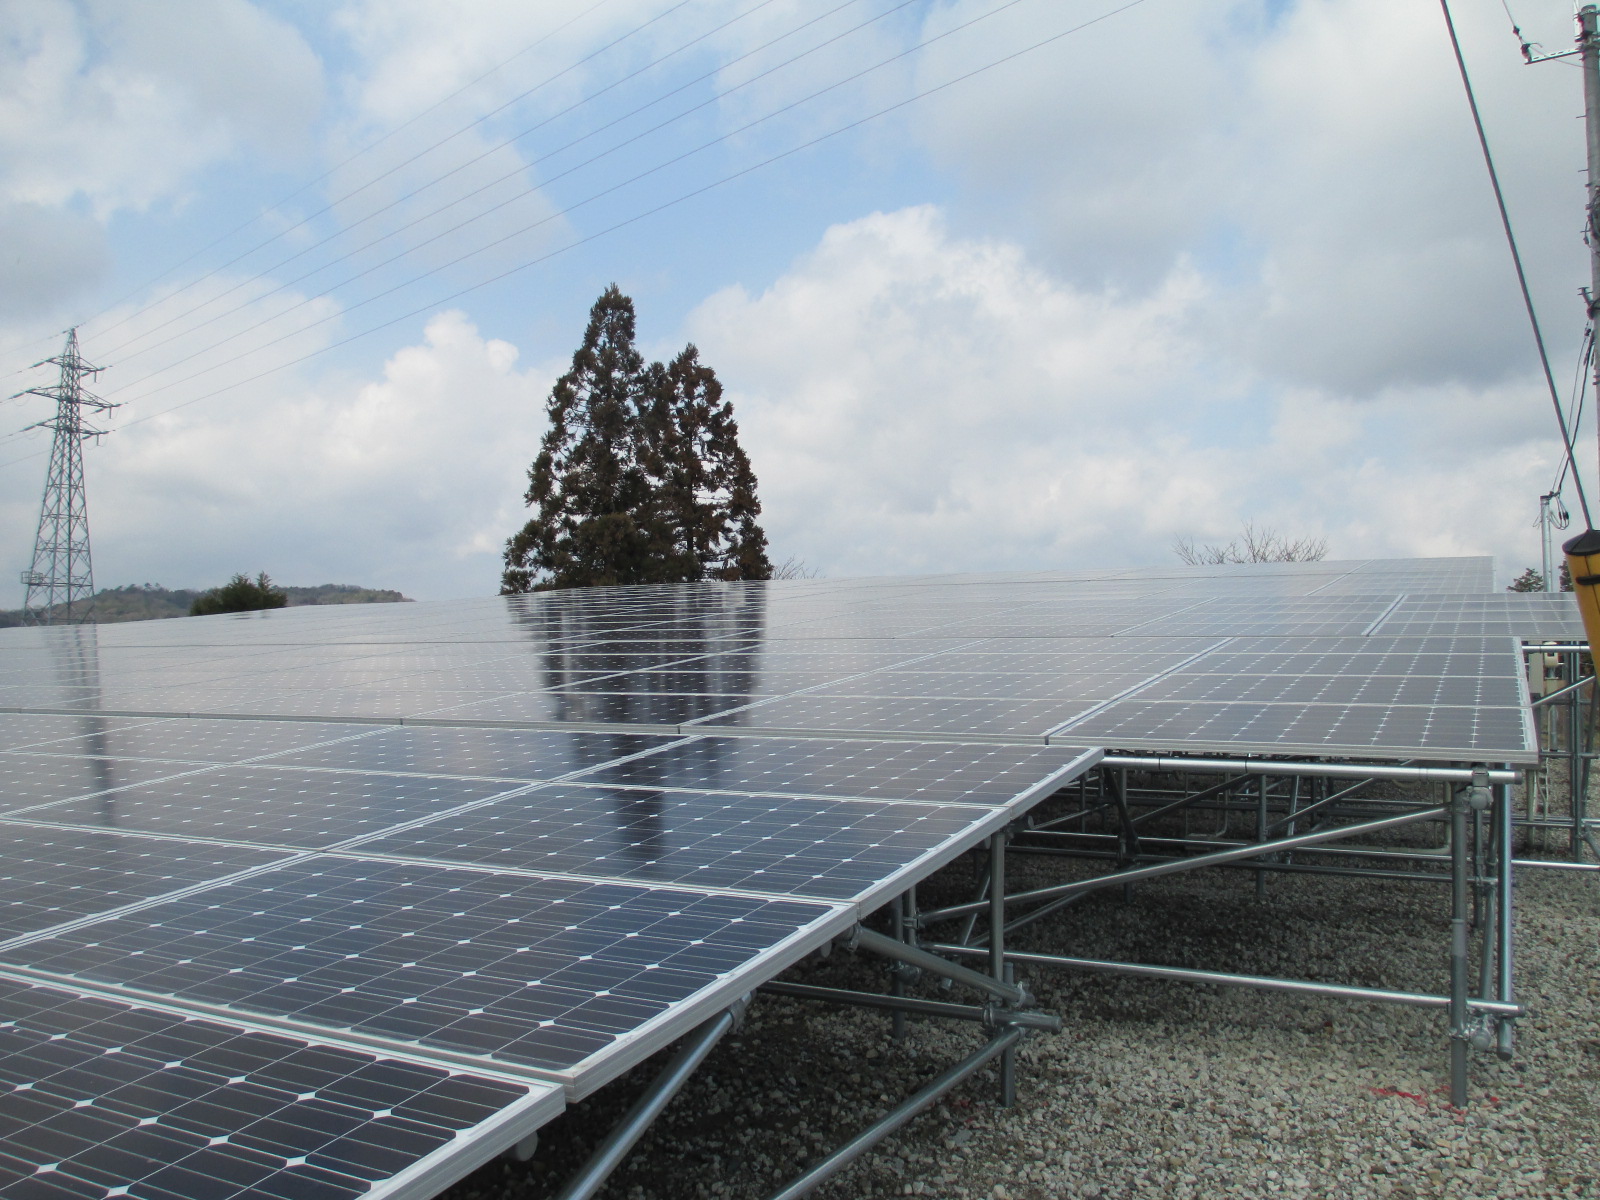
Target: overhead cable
x=516 y=233
x=637 y=217
x=407 y=162
x=1516 y=259
x=520 y=169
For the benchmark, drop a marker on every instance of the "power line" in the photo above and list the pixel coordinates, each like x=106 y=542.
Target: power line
x=528 y=191
x=534 y=225
x=1516 y=259
x=407 y=162
x=1029 y=49
x=493 y=149
x=1580 y=387
x=636 y=218
x=340 y=165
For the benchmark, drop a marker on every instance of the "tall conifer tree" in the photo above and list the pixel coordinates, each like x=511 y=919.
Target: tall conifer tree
x=640 y=477
x=706 y=488
x=588 y=481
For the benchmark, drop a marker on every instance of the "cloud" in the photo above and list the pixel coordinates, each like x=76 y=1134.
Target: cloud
x=48 y=255
x=412 y=481
x=1316 y=160
x=118 y=106
x=916 y=401
x=410 y=478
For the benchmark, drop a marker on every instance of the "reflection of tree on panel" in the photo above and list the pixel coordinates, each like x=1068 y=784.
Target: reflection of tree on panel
x=717 y=633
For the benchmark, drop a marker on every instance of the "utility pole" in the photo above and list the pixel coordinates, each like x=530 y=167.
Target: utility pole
x=60 y=582
x=1544 y=540
x=1589 y=56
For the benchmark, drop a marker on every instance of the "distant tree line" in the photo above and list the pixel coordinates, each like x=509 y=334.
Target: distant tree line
x=640 y=477
x=1253 y=545
x=152 y=602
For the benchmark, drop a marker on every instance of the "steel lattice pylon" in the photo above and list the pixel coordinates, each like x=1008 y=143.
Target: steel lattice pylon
x=60 y=582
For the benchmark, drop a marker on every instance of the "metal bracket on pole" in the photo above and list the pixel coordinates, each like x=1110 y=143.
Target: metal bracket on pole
x=888 y=947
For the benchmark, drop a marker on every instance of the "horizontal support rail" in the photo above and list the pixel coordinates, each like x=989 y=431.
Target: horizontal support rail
x=1262 y=982
x=1173 y=866
x=988 y=1014
x=1254 y=766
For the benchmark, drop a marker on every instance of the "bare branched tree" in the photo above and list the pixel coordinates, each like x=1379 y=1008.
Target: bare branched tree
x=793 y=568
x=1254 y=545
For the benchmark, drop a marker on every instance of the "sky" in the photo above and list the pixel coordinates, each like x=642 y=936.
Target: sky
x=992 y=284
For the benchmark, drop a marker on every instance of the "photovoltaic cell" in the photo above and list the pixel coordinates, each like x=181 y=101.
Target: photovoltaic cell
x=492 y=753
x=784 y=845
x=1446 y=733
x=542 y=972
x=933 y=772
x=101 y=1099
x=277 y=807
x=49 y=876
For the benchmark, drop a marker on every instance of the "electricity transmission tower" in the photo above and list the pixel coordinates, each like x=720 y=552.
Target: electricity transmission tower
x=61 y=581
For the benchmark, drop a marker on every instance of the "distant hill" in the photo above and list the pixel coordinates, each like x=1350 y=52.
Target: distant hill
x=152 y=602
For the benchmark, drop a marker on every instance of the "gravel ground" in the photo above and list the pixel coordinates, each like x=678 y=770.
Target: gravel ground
x=1155 y=1089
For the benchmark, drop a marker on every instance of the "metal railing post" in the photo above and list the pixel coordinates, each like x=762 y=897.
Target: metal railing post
x=1459 y=884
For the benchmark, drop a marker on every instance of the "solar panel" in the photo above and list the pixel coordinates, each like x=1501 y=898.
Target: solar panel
x=28 y=780
x=1412 y=731
x=271 y=806
x=1006 y=720
x=103 y=1099
x=1016 y=657
x=554 y=974
x=50 y=876
x=522 y=754
x=849 y=850
x=937 y=773
x=541 y=837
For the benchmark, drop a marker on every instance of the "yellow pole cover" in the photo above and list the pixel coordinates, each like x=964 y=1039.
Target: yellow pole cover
x=1583 y=563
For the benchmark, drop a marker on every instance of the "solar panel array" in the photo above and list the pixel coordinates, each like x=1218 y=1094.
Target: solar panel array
x=340 y=901
x=1127 y=656
x=282 y=958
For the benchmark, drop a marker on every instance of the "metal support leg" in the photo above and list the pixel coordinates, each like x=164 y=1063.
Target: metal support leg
x=997 y=948
x=1008 y=1059
x=1261 y=832
x=1574 y=740
x=1459 y=886
x=897 y=982
x=1504 y=992
x=608 y=1157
